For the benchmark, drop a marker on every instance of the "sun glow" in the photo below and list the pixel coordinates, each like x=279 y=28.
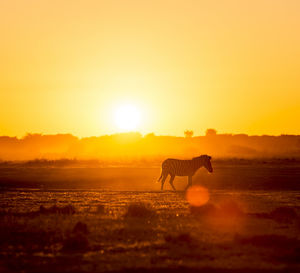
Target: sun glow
x=127 y=117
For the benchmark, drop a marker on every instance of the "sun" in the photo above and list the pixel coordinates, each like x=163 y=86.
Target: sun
x=127 y=117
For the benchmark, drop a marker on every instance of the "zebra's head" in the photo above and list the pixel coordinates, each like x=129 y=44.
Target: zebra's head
x=204 y=160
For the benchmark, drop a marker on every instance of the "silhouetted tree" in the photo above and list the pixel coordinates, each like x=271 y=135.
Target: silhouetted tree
x=188 y=133
x=211 y=132
x=150 y=135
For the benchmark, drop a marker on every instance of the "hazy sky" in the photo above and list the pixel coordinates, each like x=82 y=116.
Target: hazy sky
x=66 y=66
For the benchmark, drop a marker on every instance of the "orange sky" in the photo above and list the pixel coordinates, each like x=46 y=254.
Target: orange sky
x=229 y=65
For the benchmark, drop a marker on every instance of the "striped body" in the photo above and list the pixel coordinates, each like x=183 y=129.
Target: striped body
x=177 y=167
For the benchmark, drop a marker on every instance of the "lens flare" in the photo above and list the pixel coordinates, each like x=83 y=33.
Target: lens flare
x=197 y=196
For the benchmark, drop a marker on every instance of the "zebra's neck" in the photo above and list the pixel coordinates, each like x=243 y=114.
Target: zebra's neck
x=197 y=164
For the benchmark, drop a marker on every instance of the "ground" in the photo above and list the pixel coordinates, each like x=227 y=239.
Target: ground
x=109 y=230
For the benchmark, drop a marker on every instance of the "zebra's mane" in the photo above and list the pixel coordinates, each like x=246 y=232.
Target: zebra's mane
x=202 y=157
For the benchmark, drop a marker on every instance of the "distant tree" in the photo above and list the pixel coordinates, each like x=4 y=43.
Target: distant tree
x=150 y=135
x=31 y=136
x=211 y=132
x=188 y=133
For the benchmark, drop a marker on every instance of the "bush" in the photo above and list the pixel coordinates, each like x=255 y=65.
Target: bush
x=227 y=209
x=139 y=210
x=283 y=214
x=280 y=215
x=273 y=241
x=76 y=243
x=100 y=209
x=68 y=209
x=80 y=228
x=182 y=239
x=230 y=209
x=204 y=211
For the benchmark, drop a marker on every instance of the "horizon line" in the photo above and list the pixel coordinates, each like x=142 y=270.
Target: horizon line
x=146 y=134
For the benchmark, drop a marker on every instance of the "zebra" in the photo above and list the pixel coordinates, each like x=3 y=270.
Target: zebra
x=179 y=167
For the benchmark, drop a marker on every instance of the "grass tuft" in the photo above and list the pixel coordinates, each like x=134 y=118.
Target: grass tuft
x=81 y=228
x=140 y=210
x=204 y=211
x=76 y=243
x=230 y=209
x=100 y=209
x=227 y=209
x=272 y=241
x=283 y=214
x=68 y=209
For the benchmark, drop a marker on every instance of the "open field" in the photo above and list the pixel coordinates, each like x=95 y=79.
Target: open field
x=117 y=220
x=231 y=175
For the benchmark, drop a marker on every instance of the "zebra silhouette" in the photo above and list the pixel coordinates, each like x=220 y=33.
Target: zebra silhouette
x=188 y=168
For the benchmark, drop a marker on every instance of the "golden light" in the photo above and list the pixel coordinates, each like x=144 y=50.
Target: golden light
x=127 y=117
x=197 y=196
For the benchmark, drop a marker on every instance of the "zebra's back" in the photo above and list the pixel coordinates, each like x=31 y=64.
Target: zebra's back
x=178 y=167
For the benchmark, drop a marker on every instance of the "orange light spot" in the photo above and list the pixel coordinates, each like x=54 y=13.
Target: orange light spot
x=197 y=196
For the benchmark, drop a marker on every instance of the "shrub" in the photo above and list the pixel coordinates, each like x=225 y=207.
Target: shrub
x=230 y=209
x=76 y=243
x=283 y=214
x=100 y=209
x=272 y=240
x=280 y=215
x=80 y=228
x=139 y=210
x=227 y=209
x=68 y=209
x=204 y=211
x=182 y=238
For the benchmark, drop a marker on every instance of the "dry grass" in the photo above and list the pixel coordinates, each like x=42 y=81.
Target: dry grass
x=68 y=209
x=140 y=210
x=270 y=240
x=226 y=209
x=126 y=233
x=281 y=215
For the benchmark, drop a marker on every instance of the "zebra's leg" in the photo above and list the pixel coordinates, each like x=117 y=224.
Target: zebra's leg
x=163 y=180
x=190 y=179
x=171 y=182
